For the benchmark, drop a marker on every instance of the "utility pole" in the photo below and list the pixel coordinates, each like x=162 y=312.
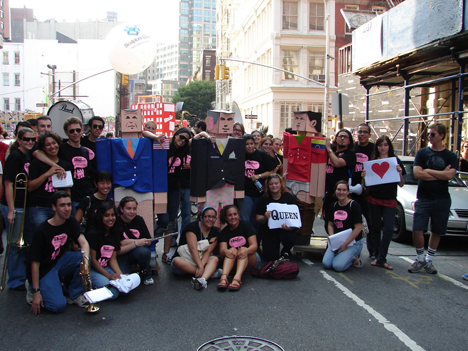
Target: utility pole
x=52 y=96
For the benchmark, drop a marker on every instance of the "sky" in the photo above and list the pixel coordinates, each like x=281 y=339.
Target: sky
x=162 y=15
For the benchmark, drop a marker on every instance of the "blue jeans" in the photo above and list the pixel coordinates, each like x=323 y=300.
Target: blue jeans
x=17 y=256
x=247 y=207
x=51 y=288
x=341 y=261
x=99 y=281
x=170 y=217
x=382 y=218
x=38 y=214
x=185 y=207
x=141 y=256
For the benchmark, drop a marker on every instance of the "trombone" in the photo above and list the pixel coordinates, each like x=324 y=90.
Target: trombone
x=15 y=235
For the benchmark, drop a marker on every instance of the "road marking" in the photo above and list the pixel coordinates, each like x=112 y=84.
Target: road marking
x=419 y=279
x=411 y=344
x=346 y=278
x=443 y=276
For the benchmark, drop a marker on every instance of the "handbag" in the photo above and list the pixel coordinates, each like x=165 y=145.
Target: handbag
x=184 y=251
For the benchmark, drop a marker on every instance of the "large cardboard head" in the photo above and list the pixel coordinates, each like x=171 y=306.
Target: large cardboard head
x=131 y=121
x=307 y=121
x=219 y=122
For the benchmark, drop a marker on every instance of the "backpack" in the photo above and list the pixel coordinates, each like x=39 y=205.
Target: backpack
x=279 y=269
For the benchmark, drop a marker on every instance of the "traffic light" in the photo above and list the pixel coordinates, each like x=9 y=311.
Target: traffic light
x=225 y=72
x=216 y=72
x=124 y=79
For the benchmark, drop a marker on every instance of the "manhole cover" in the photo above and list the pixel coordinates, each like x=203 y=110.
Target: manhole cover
x=237 y=343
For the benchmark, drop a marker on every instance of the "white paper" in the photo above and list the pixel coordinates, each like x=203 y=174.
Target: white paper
x=98 y=295
x=382 y=171
x=66 y=182
x=338 y=239
x=282 y=213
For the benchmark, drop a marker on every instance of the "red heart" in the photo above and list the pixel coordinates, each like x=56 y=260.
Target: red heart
x=381 y=169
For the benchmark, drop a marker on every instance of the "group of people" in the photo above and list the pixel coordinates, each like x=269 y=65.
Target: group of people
x=68 y=226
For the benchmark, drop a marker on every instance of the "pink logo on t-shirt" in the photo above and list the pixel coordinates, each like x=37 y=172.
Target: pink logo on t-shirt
x=26 y=168
x=341 y=215
x=90 y=153
x=79 y=163
x=176 y=163
x=106 y=254
x=237 y=241
x=57 y=242
x=250 y=167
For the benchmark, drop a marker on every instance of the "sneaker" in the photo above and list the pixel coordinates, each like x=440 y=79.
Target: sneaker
x=465 y=276
x=199 y=283
x=417 y=266
x=80 y=301
x=217 y=274
x=149 y=281
x=174 y=241
x=429 y=268
x=167 y=258
x=29 y=294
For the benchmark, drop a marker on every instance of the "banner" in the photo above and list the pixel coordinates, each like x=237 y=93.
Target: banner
x=282 y=213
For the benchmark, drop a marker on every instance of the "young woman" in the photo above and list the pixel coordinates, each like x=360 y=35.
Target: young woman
x=344 y=214
x=135 y=240
x=257 y=135
x=40 y=179
x=201 y=268
x=382 y=204
x=266 y=145
x=275 y=192
x=238 y=246
x=150 y=126
x=104 y=244
x=238 y=130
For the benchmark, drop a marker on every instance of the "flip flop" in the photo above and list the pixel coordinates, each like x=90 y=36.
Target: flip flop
x=235 y=285
x=223 y=282
x=382 y=265
x=357 y=263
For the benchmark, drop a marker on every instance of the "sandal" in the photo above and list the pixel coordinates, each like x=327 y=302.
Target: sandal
x=357 y=263
x=235 y=285
x=223 y=282
x=382 y=265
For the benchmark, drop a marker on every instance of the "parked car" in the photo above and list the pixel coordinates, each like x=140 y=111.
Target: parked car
x=406 y=197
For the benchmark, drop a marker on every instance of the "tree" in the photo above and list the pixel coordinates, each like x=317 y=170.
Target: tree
x=197 y=97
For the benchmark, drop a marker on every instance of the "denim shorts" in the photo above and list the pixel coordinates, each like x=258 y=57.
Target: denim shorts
x=435 y=210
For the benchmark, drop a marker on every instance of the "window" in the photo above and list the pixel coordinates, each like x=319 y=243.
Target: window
x=6 y=79
x=17 y=58
x=207 y=75
x=207 y=4
x=17 y=104
x=5 y=58
x=317 y=66
x=206 y=29
x=286 y=113
x=290 y=63
x=6 y=104
x=208 y=61
x=316 y=16
x=350 y=7
x=207 y=16
x=290 y=15
x=17 y=80
x=378 y=9
x=197 y=15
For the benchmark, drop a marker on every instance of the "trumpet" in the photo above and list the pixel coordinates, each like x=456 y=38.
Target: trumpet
x=15 y=235
x=85 y=272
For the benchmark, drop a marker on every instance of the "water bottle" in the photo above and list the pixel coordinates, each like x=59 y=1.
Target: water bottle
x=259 y=186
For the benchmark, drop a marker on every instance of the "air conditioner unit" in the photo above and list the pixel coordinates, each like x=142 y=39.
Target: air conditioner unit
x=319 y=77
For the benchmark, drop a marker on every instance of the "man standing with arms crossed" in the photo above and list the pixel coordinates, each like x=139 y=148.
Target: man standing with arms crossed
x=434 y=166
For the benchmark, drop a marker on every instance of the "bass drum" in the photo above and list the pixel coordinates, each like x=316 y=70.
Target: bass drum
x=61 y=110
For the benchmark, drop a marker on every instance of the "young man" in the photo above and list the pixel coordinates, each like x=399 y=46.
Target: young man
x=434 y=166
x=363 y=149
x=51 y=258
x=96 y=126
x=200 y=126
x=78 y=156
x=44 y=124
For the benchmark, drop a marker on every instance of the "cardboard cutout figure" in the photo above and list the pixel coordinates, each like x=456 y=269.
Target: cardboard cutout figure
x=131 y=122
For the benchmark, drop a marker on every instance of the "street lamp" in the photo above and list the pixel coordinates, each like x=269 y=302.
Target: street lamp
x=52 y=96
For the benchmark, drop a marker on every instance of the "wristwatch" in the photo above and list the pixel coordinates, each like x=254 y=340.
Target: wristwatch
x=35 y=290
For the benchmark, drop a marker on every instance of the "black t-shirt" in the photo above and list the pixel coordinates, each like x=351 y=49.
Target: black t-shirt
x=194 y=227
x=463 y=165
x=174 y=166
x=345 y=217
x=136 y=229
x=232 y=237
x=50 y=243
x=335 y=174
x=104 y=246
x=262 y=204
x=363 y=154
x=91 y=147
x=16 y=163
x=256 y=163
x=185 y=174
x=386 y=191
x=42 y=196
x=93 y=203
x=82 y=181
x=437 y=160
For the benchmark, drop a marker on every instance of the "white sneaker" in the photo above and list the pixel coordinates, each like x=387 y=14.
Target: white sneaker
x=217 y=273
x=29 y=294
x=199 y=283
x=149 y=281
x=80 y=301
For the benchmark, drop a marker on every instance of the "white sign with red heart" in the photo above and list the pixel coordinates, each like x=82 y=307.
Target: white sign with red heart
x=382 y=171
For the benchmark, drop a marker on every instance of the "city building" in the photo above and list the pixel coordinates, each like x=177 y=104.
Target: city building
x=4 y=21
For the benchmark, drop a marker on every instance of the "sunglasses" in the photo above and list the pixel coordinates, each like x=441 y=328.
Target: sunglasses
x=274 y=175
x=72 y=131
x=431 y=134
x=28 y=139
x=183 y=138
x=98 y=126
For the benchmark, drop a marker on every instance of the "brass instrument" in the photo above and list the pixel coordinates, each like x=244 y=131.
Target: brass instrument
x=85 y=272
x=15 y=235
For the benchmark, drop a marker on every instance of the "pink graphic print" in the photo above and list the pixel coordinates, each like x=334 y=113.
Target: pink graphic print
x=250 y=167
x=57 y=242
x=237 y=241
x=48 y=186
x=135 y=233
x=339 y=217
x=90 y=152
x=188 y=158
x=106 y=254
x=381 y=169
x=26 y=168
x=79 y=164
x=360 y=158
x=176 y=163
x=330 y=167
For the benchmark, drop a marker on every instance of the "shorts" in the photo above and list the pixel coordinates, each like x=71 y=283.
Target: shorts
x=437 y=211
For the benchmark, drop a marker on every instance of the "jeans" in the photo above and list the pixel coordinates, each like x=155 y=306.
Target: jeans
x=247 y=207
x=141 y=256
x=170 y=217
x=185 y=207
x=38 y=214
x=341 y=261
x=17 y=256
x=372 y=246
x=99 y=281
x=383 y=218
x=51 y=288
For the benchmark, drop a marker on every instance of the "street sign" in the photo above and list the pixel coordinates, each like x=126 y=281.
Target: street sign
x=251 y=116
x=42 y=104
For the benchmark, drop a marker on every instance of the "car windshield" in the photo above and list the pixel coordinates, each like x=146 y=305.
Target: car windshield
x=410 y=180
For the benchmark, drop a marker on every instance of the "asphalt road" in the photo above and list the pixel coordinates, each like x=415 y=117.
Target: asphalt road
x=364 y=308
